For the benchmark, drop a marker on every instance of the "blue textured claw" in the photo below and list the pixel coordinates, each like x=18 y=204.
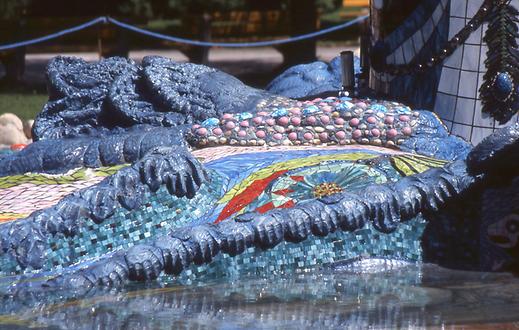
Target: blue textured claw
x=102 y=202
x=131 y=192
x=323 y=218
x=385 y=211
x=205 y=243
x=145 y=262
x=352 y=212
x=297 y=226
x=175 y=254
x=174 y=167
x=238 y=237
x=268 y=230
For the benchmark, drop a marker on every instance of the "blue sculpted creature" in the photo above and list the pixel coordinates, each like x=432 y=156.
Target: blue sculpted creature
x=118 y=112
x=310 y=79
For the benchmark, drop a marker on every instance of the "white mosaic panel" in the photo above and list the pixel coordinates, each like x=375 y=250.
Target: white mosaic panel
x=408 y=50
x=457 y=100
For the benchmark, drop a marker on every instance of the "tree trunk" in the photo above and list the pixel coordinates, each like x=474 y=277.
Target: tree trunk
x=198 y=54
x=14 y=63
x=303 y=19
x=14 y=59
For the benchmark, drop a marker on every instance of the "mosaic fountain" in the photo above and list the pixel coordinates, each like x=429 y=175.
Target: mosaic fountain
x=172 y=172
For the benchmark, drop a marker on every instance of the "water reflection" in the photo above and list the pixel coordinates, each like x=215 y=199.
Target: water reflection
x=402 y=295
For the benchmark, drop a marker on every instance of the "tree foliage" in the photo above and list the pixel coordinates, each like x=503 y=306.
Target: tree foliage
x=12 y=9
x=136 y=8
x=199 y=6
x=169 y=7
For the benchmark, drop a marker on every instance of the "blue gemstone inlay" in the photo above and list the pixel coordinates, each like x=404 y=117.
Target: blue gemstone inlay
x=279 y=113
x=345 y=98
x=503 y=86
x=243 y=116
x=311 y=109
x=344 y=106
x=379 y=107
x=211 y=122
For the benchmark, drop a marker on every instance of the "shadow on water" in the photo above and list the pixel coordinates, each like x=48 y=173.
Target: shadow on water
x=407 y=296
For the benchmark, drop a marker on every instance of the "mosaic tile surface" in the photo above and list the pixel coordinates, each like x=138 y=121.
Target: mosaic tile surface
x=21 y=195
x=241 y=180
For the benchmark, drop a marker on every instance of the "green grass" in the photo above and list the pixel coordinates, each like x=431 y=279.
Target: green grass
x=25 y=106
x=163 y=24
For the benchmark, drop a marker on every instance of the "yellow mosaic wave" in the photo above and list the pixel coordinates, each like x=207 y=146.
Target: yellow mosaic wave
x=406 y=164
x=290 y=165
x=414 y=164
x=9 y=216
x=80 y=174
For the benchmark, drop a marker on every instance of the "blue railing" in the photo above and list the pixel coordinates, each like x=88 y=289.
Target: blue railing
x=106 y=19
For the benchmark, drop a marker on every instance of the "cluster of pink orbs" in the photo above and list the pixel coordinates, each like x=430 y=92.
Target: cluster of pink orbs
x=317 y=122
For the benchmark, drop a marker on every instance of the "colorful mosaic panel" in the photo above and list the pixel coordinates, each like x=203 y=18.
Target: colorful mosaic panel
x=245 y=181
x=23 y=194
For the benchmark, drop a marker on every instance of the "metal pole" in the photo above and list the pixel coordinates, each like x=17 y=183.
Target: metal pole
x=348 y=73
x=99 y=42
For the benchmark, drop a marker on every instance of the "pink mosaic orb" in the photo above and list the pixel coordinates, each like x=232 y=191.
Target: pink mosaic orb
x=277 y=136
x=327 y=108
x=262 y=113
x=389 y=120
x=340 y=135
x=257 y=120
x=295 y=111
x=270 y=121
x=362 y=105
x=308 y=136
x=292 y=136
x=217 y=131
x=404 y=118
x=196 y=126
x=325 y=120
x=283 y=121
x=354 y=121
x=295 y=120
x=317 y=100
x=356 y=134
x=201 y=131
x=339 y=121
x=230 y=125
x=323 y=136
x=375 y=132
x=244 y=123
x=227 y=116
x=261 y=134
x=407 y=130
x=311 y=120
x=242 y=133
x=371 y=120
x=391 y=133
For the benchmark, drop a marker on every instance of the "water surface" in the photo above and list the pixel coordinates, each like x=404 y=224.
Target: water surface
x=372 y=295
